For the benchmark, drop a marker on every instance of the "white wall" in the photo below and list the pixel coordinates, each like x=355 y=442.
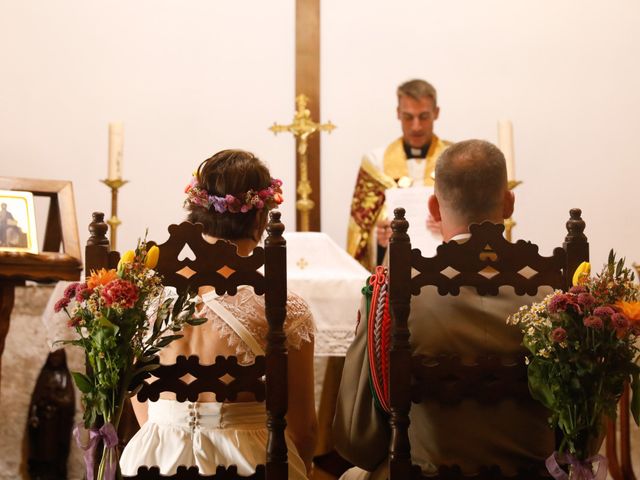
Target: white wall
x=565 y=72
x=190 y=78
x=186 y=78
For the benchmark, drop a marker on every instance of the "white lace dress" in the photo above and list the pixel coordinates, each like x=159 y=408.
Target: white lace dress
x=208 y=434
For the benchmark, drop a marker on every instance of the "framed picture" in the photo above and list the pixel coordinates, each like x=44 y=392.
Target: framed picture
x=17 y=222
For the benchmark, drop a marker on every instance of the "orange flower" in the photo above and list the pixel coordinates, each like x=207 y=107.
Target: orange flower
x=101 y=277
x=631 y=310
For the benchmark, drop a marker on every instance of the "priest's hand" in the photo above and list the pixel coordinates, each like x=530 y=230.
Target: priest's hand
x=383 y=232
x=434 y=226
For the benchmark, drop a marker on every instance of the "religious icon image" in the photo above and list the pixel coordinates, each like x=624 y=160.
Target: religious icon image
x=17 y=222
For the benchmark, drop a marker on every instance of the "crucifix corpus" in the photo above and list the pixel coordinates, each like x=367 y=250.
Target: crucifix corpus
x=302 y=128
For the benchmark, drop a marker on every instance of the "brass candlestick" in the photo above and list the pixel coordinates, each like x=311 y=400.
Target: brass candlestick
x=302 y=128
x=114 y=184
x=509 y=223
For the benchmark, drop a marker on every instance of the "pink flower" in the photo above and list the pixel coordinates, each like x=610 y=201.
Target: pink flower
x=577 y=289
x=233 y=204
x=82 y=292
x=265 y=193
x=120 y=292
x=593 y=322
x=60 y=304
x=604 y=312
x=73 y=321
x=70 y=291
x=620 y=323
x=558 y=335
x=618 y=320
x=562 y=302
x=586 y=300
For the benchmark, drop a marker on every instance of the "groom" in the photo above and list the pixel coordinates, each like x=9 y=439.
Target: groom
x=470 y=187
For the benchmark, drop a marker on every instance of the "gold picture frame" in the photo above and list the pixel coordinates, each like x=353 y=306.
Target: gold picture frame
x=17 y=222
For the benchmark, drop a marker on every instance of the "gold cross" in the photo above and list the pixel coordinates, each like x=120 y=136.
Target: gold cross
x=302 y=128
x=302 y=263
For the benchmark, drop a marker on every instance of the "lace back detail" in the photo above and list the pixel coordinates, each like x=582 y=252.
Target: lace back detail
x=249 y=309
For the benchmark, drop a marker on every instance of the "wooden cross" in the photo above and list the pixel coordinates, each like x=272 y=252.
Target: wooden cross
x=307 y=63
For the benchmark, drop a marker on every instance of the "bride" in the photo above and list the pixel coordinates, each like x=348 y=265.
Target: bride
x=230 y=194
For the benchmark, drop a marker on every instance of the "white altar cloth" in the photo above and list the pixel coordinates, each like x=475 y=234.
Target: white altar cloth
x=330 y=281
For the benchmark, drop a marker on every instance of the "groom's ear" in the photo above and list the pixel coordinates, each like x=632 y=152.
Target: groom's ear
x=508 y=204
x=434 y=208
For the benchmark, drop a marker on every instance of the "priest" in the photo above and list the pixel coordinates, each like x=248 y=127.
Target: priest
x=409 y=160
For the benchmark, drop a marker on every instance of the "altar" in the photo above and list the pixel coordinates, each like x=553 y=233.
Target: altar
x=330 y=281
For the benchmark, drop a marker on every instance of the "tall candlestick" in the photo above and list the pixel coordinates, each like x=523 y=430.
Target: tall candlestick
x=505 y=144
x=114 y=221
x=116 y=142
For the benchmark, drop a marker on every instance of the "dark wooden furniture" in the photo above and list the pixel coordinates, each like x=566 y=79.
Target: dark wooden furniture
x=218 y=265
x=446 y=379
x=618 y=439
x=51 y=264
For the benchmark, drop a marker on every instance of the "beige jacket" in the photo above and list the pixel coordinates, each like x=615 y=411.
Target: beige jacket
x=467 y=434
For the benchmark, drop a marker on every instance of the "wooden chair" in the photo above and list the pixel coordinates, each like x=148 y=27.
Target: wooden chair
x=218 y=265
x=446 y=379
x=618 y=439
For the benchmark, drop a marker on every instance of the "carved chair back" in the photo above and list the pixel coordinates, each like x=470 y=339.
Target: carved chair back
x=218 y=265
x=618 y=437
x=486 y=261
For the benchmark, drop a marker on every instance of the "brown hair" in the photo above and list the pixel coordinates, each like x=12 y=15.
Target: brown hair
x=470 y=179
x=418 y=89
x=231 y=172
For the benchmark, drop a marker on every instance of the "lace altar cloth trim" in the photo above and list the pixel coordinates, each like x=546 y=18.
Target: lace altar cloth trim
x=333 y=343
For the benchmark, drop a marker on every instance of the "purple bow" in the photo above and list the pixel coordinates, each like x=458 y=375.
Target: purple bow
x=110 y=437
x=582 y=469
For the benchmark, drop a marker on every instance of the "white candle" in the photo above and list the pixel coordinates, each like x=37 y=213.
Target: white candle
x=505 y=144
x=116 y=142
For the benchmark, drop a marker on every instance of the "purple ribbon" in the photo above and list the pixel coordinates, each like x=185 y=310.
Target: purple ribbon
x=582 y=470
x=110 y=437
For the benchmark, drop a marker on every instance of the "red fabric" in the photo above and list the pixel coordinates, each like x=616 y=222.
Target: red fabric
x=379 y=366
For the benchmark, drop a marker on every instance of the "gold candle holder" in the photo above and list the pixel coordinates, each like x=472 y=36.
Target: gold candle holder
x=509 y=223
x=114 y=184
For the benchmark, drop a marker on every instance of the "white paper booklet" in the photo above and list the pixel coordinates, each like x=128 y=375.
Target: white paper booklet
x=414 y=201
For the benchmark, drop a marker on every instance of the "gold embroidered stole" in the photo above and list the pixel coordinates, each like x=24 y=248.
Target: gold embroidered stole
x=395 y=159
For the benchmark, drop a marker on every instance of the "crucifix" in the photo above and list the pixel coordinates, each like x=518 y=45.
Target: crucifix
x=302 y=128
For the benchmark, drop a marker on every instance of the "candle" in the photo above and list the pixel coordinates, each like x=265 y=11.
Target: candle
x=116 y=137
x=505 y=144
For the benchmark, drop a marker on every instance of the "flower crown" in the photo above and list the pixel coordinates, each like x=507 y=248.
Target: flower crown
x=268 y=198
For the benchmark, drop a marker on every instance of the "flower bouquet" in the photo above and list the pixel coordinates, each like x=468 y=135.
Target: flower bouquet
x=122 y=319
x=583 y=348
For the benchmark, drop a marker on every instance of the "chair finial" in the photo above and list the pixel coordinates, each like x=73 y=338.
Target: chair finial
x=575 y=226
x=275 y=228
x=98 y=230
x=399 y=226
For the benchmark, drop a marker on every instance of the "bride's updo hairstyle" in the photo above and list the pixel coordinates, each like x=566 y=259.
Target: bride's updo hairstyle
x=230 y=194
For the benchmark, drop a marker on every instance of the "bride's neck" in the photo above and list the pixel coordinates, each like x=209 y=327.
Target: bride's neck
x=245 y=245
